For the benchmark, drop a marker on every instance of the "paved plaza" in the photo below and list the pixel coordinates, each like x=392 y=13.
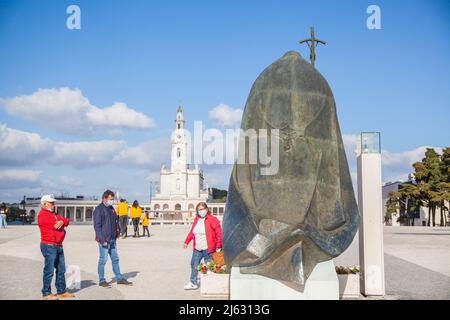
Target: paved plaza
x=417 y=263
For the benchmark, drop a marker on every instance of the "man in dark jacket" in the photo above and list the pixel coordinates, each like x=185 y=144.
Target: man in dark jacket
x=106 y=225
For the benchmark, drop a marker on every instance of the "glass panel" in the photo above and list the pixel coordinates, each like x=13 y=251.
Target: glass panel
x=370 y=142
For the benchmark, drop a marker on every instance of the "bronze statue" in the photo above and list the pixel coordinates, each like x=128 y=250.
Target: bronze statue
x=281 y=225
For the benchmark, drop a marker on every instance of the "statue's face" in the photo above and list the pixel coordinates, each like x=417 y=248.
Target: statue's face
x=288 y=111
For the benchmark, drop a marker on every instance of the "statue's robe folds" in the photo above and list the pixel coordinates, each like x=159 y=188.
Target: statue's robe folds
x=281 y=225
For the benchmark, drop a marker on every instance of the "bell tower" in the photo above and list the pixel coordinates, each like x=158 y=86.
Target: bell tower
x=179 y=144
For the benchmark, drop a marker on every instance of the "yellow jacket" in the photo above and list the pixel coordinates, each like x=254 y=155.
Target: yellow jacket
x=144 y=220
x=135 y=212
x=122 y=209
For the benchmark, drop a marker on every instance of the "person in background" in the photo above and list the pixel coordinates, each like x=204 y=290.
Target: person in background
x=3 y=213
x=122 y=211
x=207 y=235
x=135 y=215
x=106 y=226
x=145 y=223
x=52 y=229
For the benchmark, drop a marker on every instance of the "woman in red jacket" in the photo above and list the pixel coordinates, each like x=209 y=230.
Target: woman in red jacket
x=207 y=235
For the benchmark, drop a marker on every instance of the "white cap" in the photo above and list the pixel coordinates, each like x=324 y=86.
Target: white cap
x=48 y=198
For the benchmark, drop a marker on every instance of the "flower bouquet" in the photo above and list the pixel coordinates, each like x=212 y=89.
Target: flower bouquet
x=211 y=266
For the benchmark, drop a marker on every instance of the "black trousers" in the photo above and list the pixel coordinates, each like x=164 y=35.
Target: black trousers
x=123 y=221
x=145 y=228
x=136 y=225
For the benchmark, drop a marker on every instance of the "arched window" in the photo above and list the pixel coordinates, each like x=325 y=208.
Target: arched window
x=178 y=207
x=165 y=206
x=156 y=207
x=178 y=152
x=191 y=206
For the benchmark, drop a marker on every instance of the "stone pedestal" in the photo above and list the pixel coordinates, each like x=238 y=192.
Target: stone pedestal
x=322 y=284
x=349 y=286
x=371 y=225
x=214 y=284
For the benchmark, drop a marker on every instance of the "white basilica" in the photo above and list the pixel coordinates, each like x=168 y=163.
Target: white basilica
x=181 y=187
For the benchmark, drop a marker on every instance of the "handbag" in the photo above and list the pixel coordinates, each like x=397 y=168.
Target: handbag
x=218 y=258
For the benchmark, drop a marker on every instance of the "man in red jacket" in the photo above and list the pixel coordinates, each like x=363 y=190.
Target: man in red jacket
x=52 y=230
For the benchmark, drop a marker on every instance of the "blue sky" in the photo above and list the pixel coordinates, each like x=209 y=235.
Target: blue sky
x=150 y=55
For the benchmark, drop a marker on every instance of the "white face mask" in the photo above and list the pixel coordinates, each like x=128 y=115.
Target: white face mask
x=109 y=203
x=202 y=213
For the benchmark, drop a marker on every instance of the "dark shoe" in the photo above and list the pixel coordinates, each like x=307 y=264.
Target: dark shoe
x=125 y=282
x=104 y=284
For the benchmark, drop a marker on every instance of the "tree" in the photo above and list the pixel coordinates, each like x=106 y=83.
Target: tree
x=442 y=194
x=430 y=188
x=406 y=200
x=392 y=205
x=428 y=175
x=219 y=195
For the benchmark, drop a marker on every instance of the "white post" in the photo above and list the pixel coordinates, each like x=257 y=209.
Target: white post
x=371 y=210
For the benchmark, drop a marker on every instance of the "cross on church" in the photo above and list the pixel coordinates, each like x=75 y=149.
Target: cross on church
x=312 y=44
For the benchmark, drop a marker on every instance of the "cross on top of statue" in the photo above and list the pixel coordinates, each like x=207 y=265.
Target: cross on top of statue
x=312 y=44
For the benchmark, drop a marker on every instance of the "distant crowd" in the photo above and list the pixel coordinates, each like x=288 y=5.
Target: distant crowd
x=125 y=213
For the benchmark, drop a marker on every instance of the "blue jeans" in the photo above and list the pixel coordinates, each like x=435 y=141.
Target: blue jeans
x=3 y=223
x=54 y=259
x=110 y=249
x=197 y=256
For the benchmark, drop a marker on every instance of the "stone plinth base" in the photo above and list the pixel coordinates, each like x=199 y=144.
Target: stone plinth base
x=322 y=284
x=214 y=284
x=349 y=286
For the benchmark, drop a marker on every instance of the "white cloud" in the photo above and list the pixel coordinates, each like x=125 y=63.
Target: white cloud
x=119 y=115
x=18 y=147
x=402 y=158
x=13 y=178
x=86 y=153
x=395 y=165
x=148 y=154
x=70 y=182
x=225 y=116
x=66 y=110
x=21 y=147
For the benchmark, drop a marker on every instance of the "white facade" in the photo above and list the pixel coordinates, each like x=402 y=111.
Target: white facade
x=421 y=218
x=181 y=187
